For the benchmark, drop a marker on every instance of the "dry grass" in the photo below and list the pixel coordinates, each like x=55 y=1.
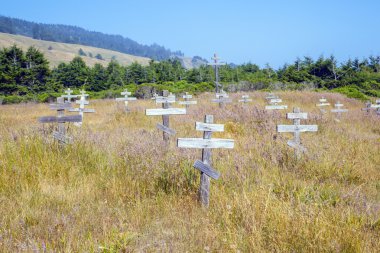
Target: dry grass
x=64 y=52
x=118 y=188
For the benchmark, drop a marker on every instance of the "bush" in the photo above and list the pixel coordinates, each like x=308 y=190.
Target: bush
x=351 y=91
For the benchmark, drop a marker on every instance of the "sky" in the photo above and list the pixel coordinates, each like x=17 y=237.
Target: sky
x=270 y=32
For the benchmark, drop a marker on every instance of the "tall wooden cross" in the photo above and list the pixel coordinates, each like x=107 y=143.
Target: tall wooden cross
x=222 y=98
x=60 y=107
x=82 y=102
x=165 y=112
x=274 y=104
x=338 y=110
x=206 y=144
x=187 y=102
x=216 y=65
x=296 y=128
x=245 y=99
x=126 y=93
x=68 y=95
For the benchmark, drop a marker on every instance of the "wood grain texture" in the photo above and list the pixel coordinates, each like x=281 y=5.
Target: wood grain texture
x=168 y=111
x=205 y=143
x=276 y=107
x=300 y=115
x=299 y=128
x=207 y=169
x=53 y=119
x=200 y=126
x=166 y=129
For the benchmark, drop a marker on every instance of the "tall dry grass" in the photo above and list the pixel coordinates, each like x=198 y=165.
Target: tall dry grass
x=120 y=189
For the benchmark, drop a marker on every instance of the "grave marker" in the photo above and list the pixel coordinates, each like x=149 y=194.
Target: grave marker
x=245 y=99
x=187 y=102
x=82 y=102
x=206 y=144
x=60 y=107
x=297 y=129
x=274 y=104
x=68 y=95
x=338 y=110
x=165 y=112
x=216 y=65
x=222 y=98
x=322 y=103
x=126 y=93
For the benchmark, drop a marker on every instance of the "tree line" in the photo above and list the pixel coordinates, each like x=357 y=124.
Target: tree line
x=28 y=74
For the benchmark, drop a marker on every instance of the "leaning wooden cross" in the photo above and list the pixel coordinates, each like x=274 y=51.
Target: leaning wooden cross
x=68 y=95
x=187 y=102
x=206 y=144
x=126 y=93
x=296 y=128
x=338 y=110
x=82 y=102
x=166 y=110
x=60 y=107
x=222 y=98
x=245 y=99
x=274 y=104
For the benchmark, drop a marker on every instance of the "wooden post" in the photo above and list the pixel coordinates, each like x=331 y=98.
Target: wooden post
x=61 y=125
x=165 y=118
x=206 y=143
x=296 y=129
x=126 y=93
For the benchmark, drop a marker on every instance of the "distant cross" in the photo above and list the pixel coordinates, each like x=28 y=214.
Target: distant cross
x=165 y=112
x=187 y=101
x=322 y=103
x=338 y=110
x=68 y=95
x=245 y=99
x=60 y=107
x=126 y=93
x=297 y=128
x=216 y=65
x=82 y=102
x=206 y=144
x=271 y=96
x=370 y=106
x=274 y=104
x=222 y=98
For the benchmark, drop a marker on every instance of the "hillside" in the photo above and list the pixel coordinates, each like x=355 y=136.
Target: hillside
x=56 y=52
x=119 y=188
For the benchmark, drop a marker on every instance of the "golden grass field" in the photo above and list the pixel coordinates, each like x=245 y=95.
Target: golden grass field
x=64 y=52
x=120 y=189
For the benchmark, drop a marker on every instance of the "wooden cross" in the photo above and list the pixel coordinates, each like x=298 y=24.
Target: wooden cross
x=69 y=96
x=245 y=99
x=82 y=102
x=216 y=65
x=377 y=105
x=187 y=102
x=274 y=104
x=60 y=107
x=322 y=103
x=222 y=98
x=206 y=144
x=296 y=128
x=271 y=96
x=338 y=110
x=368 y=107
x=126 y=93
x=165 y=112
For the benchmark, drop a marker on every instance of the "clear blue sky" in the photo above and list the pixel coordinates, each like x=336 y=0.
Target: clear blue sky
x=272 y=31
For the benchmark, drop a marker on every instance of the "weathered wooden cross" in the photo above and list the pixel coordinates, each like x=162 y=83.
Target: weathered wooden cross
x=370 y=106
x=274 y=104
x=216 y=65
x=206 y=144
x=60 y=107
x=271 y=96
x=126 y=93
x=245 y=99
x=82 y=102
x=187 y=102
x=338 y=110
x=296 y=128
x=69 y=96
x=222 y=98
x=322 y=103
x=166 y=110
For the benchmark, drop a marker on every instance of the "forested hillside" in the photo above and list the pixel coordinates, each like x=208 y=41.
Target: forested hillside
x=26 y=75
x=77 y=35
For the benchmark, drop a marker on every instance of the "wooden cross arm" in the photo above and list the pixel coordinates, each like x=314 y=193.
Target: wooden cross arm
x=200 y=126
x=276 y=107
x=204 y=143
x=187 y=102
x=168 y=111
x=339 y=110
x=60 y=106
x=126 y=99
x=296 y=128
x=209 y=171
x=62 y=119
x=296 y=115
x=295 y=145
x=166 y=129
